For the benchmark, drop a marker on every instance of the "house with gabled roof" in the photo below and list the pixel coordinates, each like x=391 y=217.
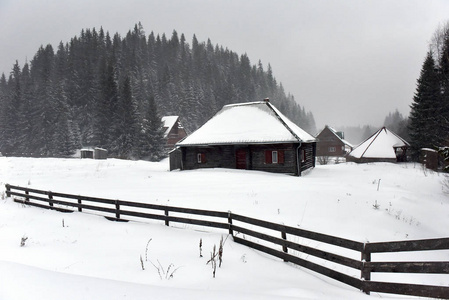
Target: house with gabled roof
x=173 y=131
x=383 y=146
x=251 y=136
x=331 y=142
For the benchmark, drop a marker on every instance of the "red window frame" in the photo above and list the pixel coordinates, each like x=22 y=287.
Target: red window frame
x=201 y=158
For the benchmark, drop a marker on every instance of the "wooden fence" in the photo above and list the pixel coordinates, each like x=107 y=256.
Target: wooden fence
x=271 y=238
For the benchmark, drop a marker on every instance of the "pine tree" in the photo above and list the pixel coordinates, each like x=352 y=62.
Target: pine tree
x=150 y=142
x=444 y=82
x=424 y=116
x=125 y=118
x=3 y=111
x=14 y=115
x=64 y=139
x=26 y=124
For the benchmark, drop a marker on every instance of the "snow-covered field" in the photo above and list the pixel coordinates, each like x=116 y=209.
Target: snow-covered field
x=84 y=256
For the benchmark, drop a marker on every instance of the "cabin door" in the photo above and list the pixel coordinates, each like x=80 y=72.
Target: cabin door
x=240 y=158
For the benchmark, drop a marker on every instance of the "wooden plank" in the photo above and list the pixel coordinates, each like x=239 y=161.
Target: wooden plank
x=440 y=292
x=176 y=219
x=434 y=267
x=62 y=195
x=64 y=210
x=142 y=215
x=61 y=202
x=349 y=280
x=415 y=245
x=45 y=199
x=202 y=212
x=175 y=209
x=31 y=203
x=301 y=248
x=345 y=243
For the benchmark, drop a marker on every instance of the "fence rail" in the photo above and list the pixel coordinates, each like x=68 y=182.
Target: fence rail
x=243 y=230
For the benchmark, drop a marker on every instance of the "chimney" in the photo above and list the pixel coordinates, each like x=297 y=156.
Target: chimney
x=266 y=99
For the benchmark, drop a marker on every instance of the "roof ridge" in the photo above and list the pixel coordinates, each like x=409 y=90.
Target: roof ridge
x=282 y=121
x=376 y=134
x=243 y=104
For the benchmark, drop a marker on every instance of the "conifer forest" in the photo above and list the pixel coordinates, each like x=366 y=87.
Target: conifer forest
x=111 y=92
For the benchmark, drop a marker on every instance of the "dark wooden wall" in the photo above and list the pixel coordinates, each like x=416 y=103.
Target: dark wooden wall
x=327 y=139
x=310 y=150
x=289 y=166
x=224 y=156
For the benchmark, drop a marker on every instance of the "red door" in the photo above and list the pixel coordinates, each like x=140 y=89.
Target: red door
x=240 y=158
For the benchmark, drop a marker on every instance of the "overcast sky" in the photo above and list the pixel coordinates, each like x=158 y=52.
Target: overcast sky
x=349 y=62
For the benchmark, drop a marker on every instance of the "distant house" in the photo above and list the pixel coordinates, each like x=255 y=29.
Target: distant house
x=94 y=153
x=251 y=136
x=173 y=131
x=384 y=145
x=332 y=143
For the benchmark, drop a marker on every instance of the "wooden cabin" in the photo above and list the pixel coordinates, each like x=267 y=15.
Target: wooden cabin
x=173 y=131
x=248 y=136
x=332 y=143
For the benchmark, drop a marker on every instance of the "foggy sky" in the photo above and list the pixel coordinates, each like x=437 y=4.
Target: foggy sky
x=349 y=62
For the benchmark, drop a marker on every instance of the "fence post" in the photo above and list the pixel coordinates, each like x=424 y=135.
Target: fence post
x=365 y=273
x=8 y=190
x=167 y=223
x=284 y=247
x=117 y=210
x=27 y=199
x=231 y=231
x=79 y=207
x=50 y=199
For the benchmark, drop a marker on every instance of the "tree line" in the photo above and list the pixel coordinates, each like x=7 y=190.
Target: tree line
x=111 y=92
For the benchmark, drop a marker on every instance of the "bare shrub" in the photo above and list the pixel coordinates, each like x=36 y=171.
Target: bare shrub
x=23 y=241
x=323 y=160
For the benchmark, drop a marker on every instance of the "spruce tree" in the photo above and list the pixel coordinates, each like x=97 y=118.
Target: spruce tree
x=150 y=142
x=444 y=82
x=125 y=118
x=3 y=111
x=424 y=119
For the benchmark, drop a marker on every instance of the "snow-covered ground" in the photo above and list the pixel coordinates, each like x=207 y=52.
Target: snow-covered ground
x=84 y=256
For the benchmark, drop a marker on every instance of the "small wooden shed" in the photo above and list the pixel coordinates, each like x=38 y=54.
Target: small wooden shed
x=251 y=136
x=94 y=153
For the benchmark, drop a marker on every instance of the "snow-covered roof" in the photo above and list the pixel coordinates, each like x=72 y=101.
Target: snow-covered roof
x=247 y=123
x=168 y=123
x=334 y=131
x=380 y=145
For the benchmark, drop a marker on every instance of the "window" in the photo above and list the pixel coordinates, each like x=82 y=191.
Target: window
x=201 y=157
x=274 y=157
x=332 y=149
x=303 y=155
